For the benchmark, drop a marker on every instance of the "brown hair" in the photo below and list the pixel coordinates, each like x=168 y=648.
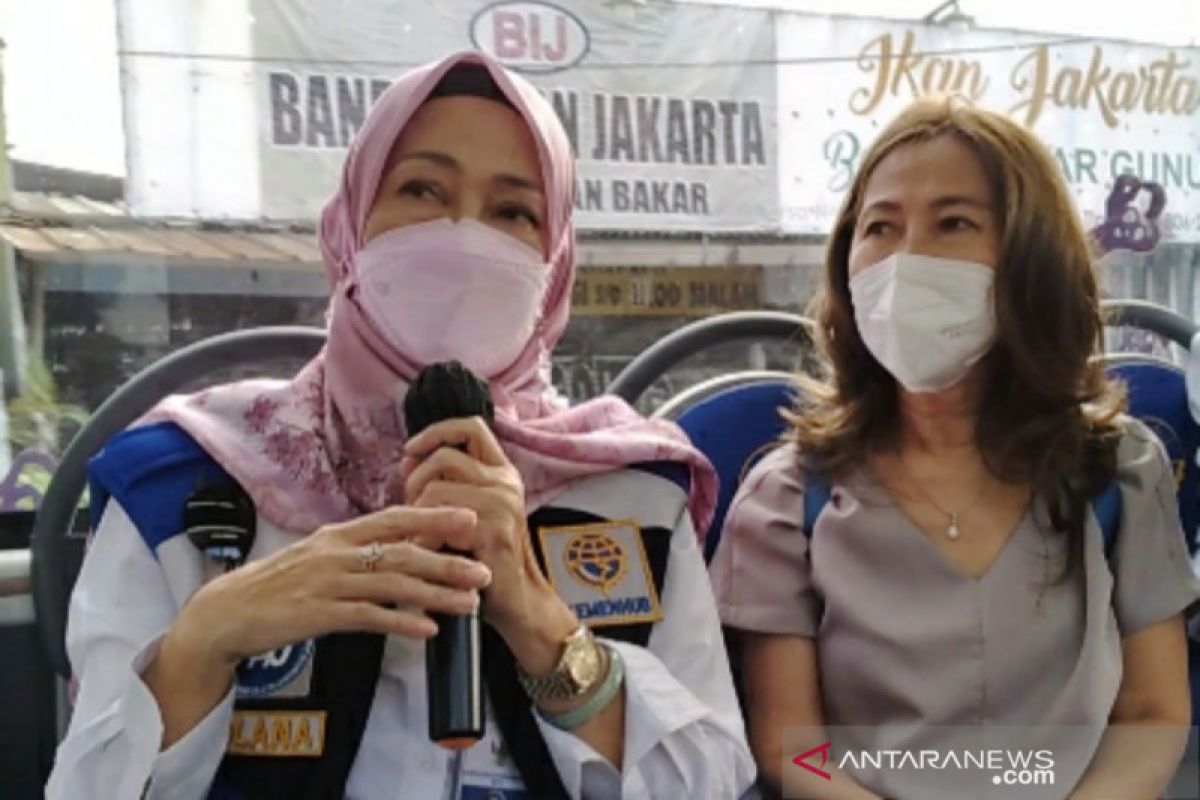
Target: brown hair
x=1047 y=414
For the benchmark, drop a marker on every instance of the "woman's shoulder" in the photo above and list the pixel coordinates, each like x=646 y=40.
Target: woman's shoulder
x=772 y=491
x=1141 y=447
x=669 y=477
x=150 y=471
x=779 y=472
x=147 y=456
x=654 y=494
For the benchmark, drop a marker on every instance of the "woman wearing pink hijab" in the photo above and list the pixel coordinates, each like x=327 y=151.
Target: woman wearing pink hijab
x=301 y=672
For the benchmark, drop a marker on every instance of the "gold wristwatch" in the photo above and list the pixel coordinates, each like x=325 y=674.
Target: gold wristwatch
x=581 y=666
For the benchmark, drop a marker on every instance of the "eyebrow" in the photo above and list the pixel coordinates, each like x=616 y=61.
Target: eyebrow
x=449 y=162
x=517 y=182
x=938 y=203
x=441 y=159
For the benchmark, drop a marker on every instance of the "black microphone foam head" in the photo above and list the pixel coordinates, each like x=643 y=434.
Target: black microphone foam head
x=445 y=391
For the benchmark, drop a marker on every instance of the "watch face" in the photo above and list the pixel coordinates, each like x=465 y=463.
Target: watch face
x=583 y=663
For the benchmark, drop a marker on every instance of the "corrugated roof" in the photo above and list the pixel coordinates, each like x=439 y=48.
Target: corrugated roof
x=48 y=227
x=44 y=243
x=47 y=207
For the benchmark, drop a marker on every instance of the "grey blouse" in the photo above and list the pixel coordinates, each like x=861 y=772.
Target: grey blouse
x=916 y=655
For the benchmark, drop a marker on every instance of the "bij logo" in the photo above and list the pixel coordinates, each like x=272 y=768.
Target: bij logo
x=531 y=37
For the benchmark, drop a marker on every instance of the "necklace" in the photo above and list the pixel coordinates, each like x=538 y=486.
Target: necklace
x=952 y=529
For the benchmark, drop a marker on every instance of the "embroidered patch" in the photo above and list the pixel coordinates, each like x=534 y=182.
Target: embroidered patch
x=297 y=734
x=602 y=572
x=270 y=673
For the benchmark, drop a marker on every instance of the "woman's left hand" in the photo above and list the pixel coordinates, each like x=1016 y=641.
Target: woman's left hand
x=458 y=463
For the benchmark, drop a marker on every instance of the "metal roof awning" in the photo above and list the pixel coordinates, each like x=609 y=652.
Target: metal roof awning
x=93 y=246
x=182 y=246
x=57 y=228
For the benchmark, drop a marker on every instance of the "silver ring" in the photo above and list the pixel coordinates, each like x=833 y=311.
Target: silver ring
x=369 y=555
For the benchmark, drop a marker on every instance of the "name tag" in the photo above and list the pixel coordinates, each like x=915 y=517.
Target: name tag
x=298 y=734
x=601 y=571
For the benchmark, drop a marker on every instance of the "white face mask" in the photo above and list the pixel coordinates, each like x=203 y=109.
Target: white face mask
x=441 y=291
x=927 y=320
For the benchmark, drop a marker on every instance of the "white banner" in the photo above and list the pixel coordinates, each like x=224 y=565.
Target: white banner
x=1104 y=108
x=674 y=131
x=684 y=117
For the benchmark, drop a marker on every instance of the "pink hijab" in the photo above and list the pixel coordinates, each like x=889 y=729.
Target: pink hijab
x=321 y=447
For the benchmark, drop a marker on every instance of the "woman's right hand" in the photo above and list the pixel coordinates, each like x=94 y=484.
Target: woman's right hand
x=316 y=586
x=320 y=585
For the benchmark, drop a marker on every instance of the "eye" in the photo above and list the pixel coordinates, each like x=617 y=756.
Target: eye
x=421 y=190
x=518 y=212
x=954 y=224
x=876 y=228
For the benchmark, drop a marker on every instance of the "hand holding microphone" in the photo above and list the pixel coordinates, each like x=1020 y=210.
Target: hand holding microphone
x=453 y=460
x=454 y=673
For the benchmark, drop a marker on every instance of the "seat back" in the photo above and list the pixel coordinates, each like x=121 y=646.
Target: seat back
x=735 y=427
x=1158 y=397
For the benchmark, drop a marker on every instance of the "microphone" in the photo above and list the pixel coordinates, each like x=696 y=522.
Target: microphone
x=452 y=657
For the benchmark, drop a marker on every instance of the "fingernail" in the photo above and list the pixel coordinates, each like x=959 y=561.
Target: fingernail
x=463 y=516
x=427 y=628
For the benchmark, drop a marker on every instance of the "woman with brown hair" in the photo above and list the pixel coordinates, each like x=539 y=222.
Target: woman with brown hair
x=957 y=579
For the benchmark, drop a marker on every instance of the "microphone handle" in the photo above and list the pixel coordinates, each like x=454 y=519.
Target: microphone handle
x=453 y=670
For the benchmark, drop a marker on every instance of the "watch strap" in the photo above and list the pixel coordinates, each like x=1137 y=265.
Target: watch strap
x=601 y=697
x=558 y=685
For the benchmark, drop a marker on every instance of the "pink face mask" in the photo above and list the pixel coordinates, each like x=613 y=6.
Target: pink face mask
x=444 y=290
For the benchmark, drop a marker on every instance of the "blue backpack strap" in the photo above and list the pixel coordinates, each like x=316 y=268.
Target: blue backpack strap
x=151 y=471
x=816 y=496
x=1107 y=507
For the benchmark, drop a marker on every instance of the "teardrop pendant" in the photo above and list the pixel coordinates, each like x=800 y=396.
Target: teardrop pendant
x=952 y=531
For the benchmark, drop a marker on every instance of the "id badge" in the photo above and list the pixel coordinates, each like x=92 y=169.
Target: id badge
x=489 y=773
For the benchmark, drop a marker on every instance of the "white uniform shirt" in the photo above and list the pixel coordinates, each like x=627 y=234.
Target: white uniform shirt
x=684 y=731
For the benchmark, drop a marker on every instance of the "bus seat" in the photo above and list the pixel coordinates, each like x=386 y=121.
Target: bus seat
x=735 y=427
